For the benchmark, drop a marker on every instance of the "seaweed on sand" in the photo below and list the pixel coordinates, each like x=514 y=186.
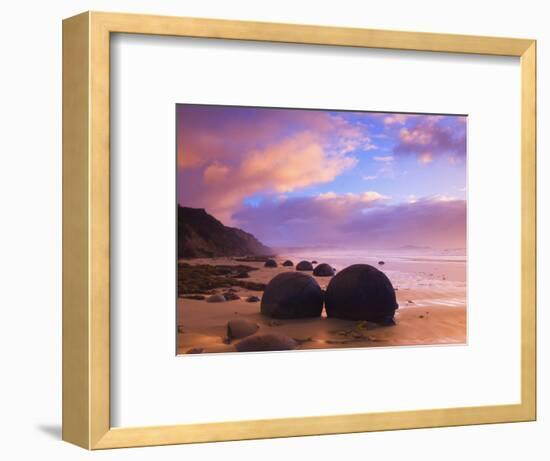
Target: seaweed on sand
x=206 y=278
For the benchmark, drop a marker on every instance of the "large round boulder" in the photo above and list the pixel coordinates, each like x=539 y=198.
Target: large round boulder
x=292 y=295
x=270 y=263
x=323 y=270
x=361 y=292
x=288 y=263
x=304 y=266
x=269 y=342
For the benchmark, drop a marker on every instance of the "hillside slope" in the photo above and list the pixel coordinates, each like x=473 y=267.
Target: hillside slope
x=202 y=235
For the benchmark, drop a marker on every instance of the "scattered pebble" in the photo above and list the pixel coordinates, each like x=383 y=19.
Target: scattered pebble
x=230 y=296
x=216 y=299
x=195 y=350
x=304 y=266
x=252 y=299
x=269 y=342
x=197 y=297
x=303 y=340
x=270 y=263
x=241 y=328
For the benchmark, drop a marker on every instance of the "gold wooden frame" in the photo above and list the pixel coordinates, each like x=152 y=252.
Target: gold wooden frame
x=86 y=393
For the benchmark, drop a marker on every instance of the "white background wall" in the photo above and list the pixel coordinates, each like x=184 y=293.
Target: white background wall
x=30 y=231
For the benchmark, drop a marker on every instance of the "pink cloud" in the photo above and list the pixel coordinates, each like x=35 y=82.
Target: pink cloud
x=360 y=220
x=215 y=173
x=399 y=119
x=433 y=137
x=238 y=154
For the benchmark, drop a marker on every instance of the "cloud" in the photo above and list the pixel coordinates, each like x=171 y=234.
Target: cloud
x=215 y=172
x=433 y=221
x=432 y=137
x=351 y=198
x=386 y=158
x=228 y=154
x=370 y=177
x=399 y=119
x=425 y=157
x=293 y=163
x=357 y=220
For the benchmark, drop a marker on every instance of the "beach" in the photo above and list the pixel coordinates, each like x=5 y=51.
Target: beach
x=430 y=290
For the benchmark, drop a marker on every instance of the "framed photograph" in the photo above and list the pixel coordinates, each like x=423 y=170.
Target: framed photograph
x=276 y=230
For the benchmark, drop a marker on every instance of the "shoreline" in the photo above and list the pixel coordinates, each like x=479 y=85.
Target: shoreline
x=432 y=311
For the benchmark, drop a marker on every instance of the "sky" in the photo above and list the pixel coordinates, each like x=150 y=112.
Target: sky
x=295 y=177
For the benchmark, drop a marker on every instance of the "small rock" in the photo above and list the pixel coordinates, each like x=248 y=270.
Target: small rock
x=269 y=342
x=381 y=263
x=197 y=297
x=216 y=299
x=323 y=270
x=421 y=316
x=304 y=266
x=230 y=296
x=288 y=263
x=195 y=350
x=252 y=299
x=336 y=341
x=303 y=340
x=270 y=263
x=241 y=328
x=314 y=262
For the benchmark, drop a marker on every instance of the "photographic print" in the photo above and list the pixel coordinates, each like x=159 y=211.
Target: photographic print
x=307 y=229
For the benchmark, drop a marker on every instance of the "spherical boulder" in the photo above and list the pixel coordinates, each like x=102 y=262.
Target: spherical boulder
x=269 y=342
x=270 y=263
x=288 y=263
x=292 y=295
x=216 y=299
x=241 y=328
x=304 y=266
x=381 y=263
x=323 y=270
x=361 y=292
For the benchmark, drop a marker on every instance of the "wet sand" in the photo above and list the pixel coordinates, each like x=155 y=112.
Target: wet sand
x=432 y=310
